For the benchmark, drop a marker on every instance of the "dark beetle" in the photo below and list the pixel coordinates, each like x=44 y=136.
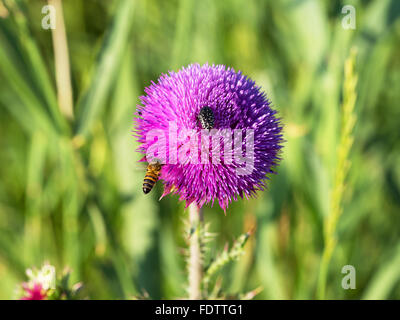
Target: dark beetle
x=206 y=118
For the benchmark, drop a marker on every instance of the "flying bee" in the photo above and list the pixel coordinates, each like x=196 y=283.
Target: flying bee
x=151 y=177
x=206 y=118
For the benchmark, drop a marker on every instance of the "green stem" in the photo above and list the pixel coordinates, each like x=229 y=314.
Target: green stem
x=61 y=60
x=195 y=263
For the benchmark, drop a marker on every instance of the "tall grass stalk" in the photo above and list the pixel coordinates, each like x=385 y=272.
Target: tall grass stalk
x=33 y=85
x=342 y=168
x=61 y=60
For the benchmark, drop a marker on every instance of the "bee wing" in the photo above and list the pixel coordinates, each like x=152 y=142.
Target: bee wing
x=139 y=166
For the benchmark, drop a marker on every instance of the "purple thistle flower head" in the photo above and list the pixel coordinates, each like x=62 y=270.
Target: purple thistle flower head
x=225 y=155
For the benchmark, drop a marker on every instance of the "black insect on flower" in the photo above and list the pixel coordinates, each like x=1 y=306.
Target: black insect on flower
x=206 y=118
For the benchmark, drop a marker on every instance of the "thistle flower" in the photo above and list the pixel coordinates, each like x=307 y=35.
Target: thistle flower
x=43 y=284
x=40 y=284
x=33 y=291
x=195 y=164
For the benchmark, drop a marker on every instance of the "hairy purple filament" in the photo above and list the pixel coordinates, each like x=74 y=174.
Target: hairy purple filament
x=238 y=105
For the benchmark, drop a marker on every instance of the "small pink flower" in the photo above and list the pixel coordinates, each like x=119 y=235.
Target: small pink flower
x=33 y=291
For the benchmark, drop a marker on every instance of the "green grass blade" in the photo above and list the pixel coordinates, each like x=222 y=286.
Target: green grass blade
x=92 y=105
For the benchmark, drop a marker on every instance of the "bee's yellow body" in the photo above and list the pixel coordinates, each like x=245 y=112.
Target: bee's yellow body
x=151 y=177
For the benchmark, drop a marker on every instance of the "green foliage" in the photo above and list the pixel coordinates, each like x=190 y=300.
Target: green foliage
x=70 y=191
x=341 y=170
x=225 y=257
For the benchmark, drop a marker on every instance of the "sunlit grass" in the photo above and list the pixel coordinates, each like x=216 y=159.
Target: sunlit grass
x=70 y=189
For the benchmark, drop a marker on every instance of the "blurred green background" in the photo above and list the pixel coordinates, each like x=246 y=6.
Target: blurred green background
x=70 y=190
